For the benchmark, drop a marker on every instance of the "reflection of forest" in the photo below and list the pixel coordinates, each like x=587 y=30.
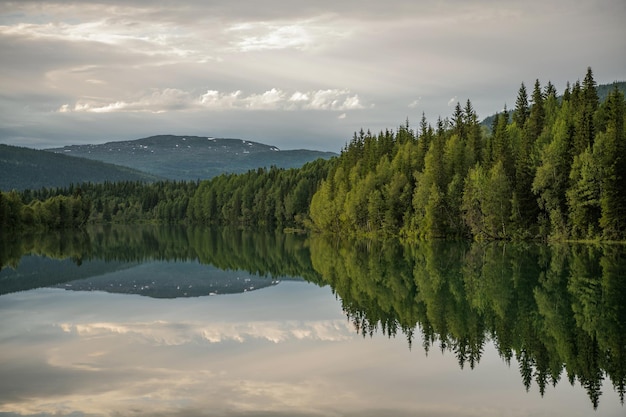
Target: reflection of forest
x=560 y=310
x=269 y=253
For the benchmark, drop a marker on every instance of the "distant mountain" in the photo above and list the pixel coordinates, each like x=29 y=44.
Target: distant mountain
x=24 y=168
x=192 y=157
x=604 y=89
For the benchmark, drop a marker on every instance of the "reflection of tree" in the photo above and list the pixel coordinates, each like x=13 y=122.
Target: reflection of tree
x=556 y=309
x=260 y=253
x=58 y=244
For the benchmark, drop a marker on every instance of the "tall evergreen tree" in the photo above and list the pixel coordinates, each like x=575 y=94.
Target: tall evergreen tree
x=586 y=104
x=474 y=141
x=521 y=107
x=458 y=121
x=500 y=148
x=583 y=196
x=552 y=177
x=425 y=137
x=550 y=90
x=537 y=114
x=613 y=144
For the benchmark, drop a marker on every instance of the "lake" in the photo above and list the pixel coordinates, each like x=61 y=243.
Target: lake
x=173 y=321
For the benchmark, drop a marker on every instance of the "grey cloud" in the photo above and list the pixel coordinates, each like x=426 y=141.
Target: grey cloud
x=163 y=57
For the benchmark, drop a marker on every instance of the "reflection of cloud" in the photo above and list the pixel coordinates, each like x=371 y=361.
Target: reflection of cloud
x=170 y=334
x=172 y=99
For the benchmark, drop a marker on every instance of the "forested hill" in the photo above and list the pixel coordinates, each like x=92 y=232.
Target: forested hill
x=603 y=91
x=24 y=168
x=192 y=157
x=550 y=168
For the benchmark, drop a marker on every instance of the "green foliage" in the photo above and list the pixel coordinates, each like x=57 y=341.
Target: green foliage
x=613 y=144
x=554 y=170
x=262 y=197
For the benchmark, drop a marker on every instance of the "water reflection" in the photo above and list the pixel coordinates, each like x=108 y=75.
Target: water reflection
x=560 y=311
x=553 y=312
x=108 y=259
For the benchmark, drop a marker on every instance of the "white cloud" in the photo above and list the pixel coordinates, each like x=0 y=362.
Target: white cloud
x=415 y=103
x=172 y=99
x=213 y=99
x=334 y=100
x=342 y=116
x=299 y=97
x=158 y=101
x=453 y=101
x=269 y=100
x=288 y=34
x=272 y=37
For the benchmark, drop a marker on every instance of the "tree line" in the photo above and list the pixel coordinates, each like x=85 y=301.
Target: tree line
x=273 y=197
x=554 y=167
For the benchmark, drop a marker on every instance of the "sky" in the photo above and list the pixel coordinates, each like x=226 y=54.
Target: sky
x=293 y=74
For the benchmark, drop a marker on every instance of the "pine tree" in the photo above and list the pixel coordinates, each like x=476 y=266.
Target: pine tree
x=474 y=141
x=613 y=144
x=537 y=115
x=586 y=104
x=552 y=176
x=500 y=145
x=458 y=121
x=583 y=196
x=424 y=140
x=521 y=107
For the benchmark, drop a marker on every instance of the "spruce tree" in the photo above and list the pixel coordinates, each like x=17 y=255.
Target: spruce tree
x=613 y=199
x=521 y=107
x=586 y=106
x=537 y=115
x=474 y=139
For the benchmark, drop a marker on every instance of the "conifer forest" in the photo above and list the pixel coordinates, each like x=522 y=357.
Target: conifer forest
x=553 y=167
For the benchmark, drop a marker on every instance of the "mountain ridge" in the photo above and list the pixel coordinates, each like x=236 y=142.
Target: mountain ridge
x=178 y=157
x=25 y=168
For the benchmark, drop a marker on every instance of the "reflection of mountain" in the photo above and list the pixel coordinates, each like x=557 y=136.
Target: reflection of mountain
x=138 y=260
x=39 y=271
x=171 y=280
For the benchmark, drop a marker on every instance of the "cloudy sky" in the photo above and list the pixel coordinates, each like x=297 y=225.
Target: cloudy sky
x=295 y=74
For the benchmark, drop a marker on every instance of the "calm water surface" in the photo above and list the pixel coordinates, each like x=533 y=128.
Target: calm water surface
x=206 y=323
